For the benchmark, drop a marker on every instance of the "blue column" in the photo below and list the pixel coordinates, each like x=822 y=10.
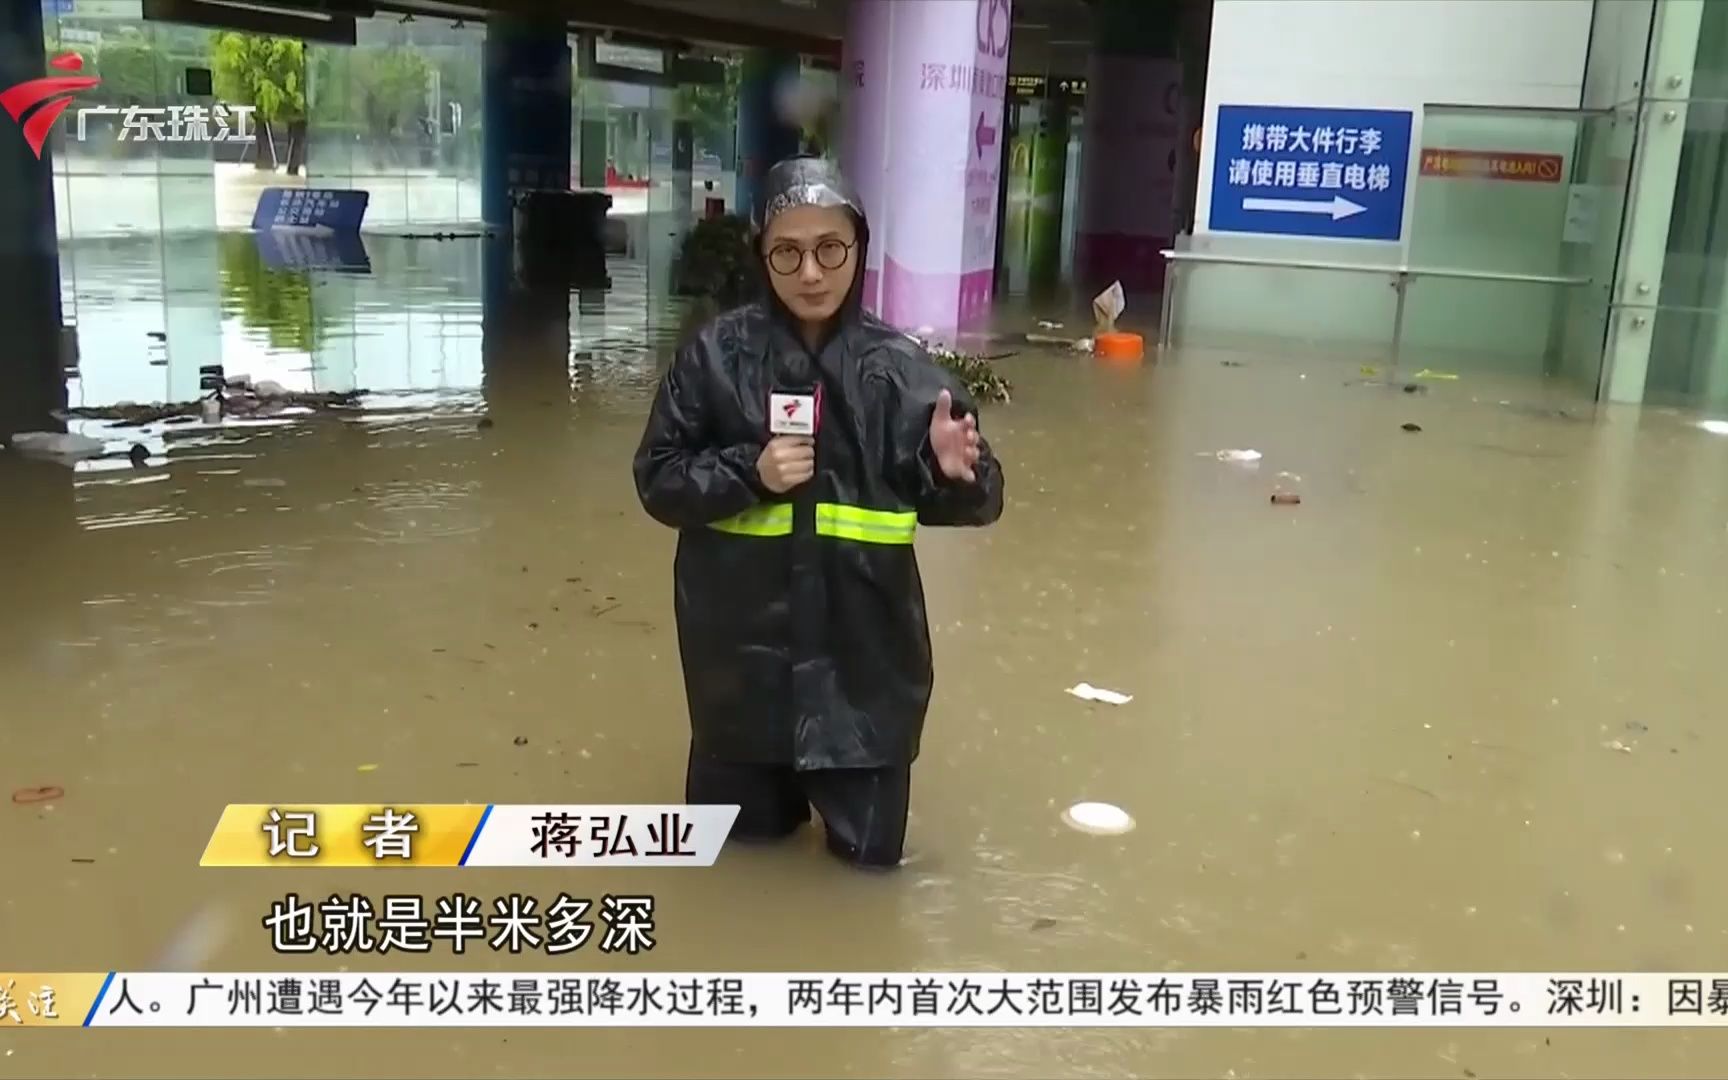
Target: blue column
x=31 y=383
x=763 y=137
x=528 y=107
x=524 y=340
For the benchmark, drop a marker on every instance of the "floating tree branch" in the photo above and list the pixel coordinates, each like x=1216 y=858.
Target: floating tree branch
x=975 y=372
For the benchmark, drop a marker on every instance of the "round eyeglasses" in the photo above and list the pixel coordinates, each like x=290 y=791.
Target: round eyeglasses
x=786 y=259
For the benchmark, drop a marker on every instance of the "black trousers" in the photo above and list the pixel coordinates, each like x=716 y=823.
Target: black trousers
x=862 y=810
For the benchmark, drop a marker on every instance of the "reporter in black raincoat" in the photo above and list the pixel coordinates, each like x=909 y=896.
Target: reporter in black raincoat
x=801 y=623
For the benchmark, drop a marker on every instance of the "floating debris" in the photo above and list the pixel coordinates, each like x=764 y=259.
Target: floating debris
x=1049 y=324
x=979 y=379
x=1285 y=498
x=1088 y=692
x=238 y=397
x=31 y=795
x=366 y=768
x=197 y=941
x=1408 y=426
x=1427 y=373
x=60 y=445
x=1240 y=457
x=441 y=236
x=1098 y=818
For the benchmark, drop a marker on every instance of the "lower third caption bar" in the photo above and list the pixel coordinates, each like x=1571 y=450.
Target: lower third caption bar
x=905 y=999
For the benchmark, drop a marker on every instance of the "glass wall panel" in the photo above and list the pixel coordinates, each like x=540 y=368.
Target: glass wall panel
x=134 y=154
x=711 y=109
x=1689 y=345
x=140 y=161
x=398 y=115
x=1508 y=191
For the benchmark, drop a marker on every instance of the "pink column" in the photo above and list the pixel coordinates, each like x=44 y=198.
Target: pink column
x=924 y=85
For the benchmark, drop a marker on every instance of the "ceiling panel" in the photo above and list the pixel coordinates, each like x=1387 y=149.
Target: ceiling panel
x=1050 y=36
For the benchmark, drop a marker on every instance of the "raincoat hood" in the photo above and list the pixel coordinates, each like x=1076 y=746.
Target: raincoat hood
x=809 y=181
x=803 y=181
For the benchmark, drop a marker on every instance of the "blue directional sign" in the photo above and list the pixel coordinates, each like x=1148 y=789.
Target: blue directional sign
x=1299 y=171
x=324 y=209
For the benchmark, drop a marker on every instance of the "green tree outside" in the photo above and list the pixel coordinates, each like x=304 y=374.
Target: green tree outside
x=712 y=109
x=377 y=95
x=132 y=72
x=270 y=74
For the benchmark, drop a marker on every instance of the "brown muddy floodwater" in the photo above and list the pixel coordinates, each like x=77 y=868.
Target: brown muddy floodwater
x=1459 y=710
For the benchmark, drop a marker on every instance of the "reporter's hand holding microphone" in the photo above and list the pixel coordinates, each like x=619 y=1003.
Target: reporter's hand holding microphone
x=786 y=462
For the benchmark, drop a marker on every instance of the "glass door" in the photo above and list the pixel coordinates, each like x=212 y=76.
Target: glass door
x=1527 y=195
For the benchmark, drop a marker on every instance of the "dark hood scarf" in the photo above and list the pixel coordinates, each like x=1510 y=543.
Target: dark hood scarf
x=809 y=181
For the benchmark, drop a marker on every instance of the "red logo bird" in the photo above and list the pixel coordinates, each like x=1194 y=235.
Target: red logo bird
x=48 y=96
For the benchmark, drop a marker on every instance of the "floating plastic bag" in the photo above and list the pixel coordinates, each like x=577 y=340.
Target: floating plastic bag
x=1107 y=308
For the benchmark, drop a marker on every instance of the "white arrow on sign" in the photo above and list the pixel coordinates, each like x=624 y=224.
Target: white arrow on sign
x=1338 y=206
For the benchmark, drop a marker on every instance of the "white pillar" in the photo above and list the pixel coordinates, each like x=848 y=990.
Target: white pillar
x=925 y=85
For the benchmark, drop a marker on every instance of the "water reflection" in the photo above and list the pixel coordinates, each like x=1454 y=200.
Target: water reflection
x=389 y=315
x=273 y=304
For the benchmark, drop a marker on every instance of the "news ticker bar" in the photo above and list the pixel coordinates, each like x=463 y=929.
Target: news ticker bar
x=862 y=999
x=464 y=834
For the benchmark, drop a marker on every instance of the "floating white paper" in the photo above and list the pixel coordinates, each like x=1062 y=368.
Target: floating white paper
x=1088 y=692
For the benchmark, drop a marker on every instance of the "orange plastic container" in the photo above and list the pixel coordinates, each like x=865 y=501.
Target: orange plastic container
x=1119 y=346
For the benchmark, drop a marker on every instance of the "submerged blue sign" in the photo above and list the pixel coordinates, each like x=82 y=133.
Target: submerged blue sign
x=1300 y=171
x=334 y=209
x=301 y=249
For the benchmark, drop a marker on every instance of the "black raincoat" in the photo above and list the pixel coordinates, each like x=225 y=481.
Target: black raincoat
x=801 y=622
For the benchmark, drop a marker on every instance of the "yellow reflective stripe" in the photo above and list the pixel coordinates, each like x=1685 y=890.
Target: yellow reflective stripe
x=832 y=519
x=866 y=526
x=774 y=519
